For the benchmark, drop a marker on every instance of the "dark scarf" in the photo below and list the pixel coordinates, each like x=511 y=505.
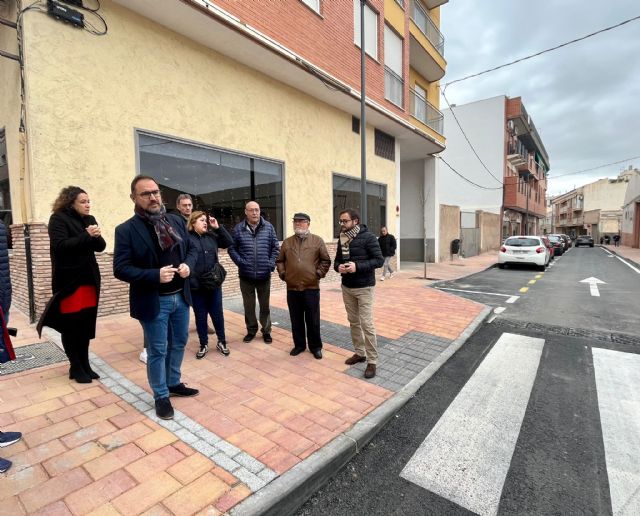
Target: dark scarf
x=345 y=240
x=167 y=237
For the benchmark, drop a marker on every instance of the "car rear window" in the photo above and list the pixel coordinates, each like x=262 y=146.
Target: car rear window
x=555 y=238
x=522 y=242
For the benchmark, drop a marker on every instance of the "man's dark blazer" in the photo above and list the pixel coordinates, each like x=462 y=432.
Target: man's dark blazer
x=135 y=260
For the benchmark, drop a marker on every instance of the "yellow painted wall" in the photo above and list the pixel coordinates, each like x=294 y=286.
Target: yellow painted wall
x=427 y=45
x=394 y=15
x=10 y=105
x=88 y=94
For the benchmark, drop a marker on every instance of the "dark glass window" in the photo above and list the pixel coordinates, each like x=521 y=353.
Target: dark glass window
x=346 y=194
x=220 y=181
x=5 y=192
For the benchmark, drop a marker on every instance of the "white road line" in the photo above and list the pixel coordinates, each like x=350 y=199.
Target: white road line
x=607 y=251
x=474 y=292
x=628 y=264
x=499 y=309
x=466 y=456
x=513 y=299
x=618 y=383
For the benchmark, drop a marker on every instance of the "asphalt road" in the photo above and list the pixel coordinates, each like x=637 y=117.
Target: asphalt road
x=528 y=417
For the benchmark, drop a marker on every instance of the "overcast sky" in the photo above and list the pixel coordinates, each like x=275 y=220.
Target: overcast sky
x=584 y=98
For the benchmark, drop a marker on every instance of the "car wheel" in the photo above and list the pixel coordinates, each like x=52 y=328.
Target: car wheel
x=590 y=245
x=542 y=267
x=501 y=266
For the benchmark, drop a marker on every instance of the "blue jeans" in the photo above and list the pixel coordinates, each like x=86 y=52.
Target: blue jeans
x=164 y=351
x=208 y=303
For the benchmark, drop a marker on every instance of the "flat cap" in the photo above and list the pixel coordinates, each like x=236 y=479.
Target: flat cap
x=301 y=216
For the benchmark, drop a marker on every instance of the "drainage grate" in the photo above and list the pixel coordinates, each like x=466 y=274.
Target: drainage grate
x=603 y=336
x=33 y=356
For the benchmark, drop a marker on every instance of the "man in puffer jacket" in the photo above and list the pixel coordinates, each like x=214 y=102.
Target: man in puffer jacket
x=5 y=274
x=357 y=258
x=254 y=251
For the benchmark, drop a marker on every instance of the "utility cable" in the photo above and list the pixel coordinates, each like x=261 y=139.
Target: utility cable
x=542 y=52
x=595 y=168
x=467 y=180
x=467 y=138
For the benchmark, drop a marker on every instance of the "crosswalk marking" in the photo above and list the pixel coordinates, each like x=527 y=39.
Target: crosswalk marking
x=618 y=382
x=466 y=456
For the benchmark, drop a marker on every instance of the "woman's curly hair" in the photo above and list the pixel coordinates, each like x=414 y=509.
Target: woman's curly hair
x=66 y=198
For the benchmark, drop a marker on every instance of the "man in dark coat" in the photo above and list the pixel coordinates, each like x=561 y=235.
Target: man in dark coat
x=357 y=258
x=153 y=254
x=6 y=349
x=388 y=247
x=254 y=251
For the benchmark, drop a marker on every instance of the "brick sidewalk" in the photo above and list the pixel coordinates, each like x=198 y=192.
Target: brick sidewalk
x=632 y=253
x=99 y=449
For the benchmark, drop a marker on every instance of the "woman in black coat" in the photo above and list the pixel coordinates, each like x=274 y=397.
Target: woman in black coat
x=74 y=238
x=207 y=302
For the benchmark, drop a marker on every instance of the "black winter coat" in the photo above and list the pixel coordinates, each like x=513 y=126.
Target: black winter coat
x=73 y=263
x=387 y=244
x=207 y=246
x=364 y=251
x=5 y=273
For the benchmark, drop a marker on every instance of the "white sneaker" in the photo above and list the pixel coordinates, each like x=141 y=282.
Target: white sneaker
x=391 y=275
x=143 y=356
x=381 y=278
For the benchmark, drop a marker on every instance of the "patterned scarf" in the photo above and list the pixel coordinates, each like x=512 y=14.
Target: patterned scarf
x=167 y=237
x=345 y=240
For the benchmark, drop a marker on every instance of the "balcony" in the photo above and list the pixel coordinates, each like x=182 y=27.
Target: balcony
x=425 y=112
x=517 y=153
x=393 y=87
x=432 y=4
x=426 y=44
x=424 y=22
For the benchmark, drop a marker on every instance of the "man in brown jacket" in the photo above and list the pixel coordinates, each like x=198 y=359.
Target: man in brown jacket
x=302 y=262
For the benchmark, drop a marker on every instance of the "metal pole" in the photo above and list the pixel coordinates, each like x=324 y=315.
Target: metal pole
x=526 y=223
x=363 y=125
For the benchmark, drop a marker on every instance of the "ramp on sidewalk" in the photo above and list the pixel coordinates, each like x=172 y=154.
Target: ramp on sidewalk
x=263 y=425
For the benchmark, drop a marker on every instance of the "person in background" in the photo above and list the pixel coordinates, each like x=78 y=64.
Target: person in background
x=303 y=261
x=388 y=247
x=207 y=302
x=74 y=237
x=254 y=251
x=153 y=253
x=616 y=240
x=357 y=257
x=7 y=439
x=184 y=205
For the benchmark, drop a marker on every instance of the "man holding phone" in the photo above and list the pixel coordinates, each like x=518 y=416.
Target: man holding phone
x=357 y=258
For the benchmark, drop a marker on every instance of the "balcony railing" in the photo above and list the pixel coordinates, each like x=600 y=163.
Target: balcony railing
x=393 y=87
x=428 y=114
x=517 y=153
x=424 y=22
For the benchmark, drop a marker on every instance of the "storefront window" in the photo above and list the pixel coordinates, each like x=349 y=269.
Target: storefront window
x=219 y=181
x=346 y=194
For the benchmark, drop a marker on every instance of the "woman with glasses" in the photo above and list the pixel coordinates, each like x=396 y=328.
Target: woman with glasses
x=74 y=237
x=207 y=302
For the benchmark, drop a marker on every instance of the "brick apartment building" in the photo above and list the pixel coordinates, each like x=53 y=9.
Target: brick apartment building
x=225 y=100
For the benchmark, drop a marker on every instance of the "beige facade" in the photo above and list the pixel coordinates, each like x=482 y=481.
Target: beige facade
x=88 y=98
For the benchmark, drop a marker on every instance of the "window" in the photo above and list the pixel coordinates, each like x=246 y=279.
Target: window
x=314 y=4
x=370 y=29
x=346 y=194
x=355 y=124
x=393 y=81
x=220 y=181
x=385 y=145
x=5 y=192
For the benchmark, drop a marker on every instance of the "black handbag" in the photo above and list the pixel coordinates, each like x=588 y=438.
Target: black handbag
x=213 y=278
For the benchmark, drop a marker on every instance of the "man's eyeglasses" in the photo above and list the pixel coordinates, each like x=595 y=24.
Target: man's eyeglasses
x=342 y=222
x=252 y=210
x=147 y=195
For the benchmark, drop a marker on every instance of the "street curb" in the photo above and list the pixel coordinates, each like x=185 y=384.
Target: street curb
x=636 y=264
x=438 y=282
x=285 y=494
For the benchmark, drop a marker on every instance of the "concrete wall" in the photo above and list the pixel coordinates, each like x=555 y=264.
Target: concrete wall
x=484 y=123
x=604 y=194
x=490 y=231
x=135 y=77
x=631 y=212
x=449 y=230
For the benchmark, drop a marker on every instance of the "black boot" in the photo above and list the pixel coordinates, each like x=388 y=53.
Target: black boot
x=83 y=354
x=76 y=371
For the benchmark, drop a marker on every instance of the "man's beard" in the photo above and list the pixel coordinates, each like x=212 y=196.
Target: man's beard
x=301 y=232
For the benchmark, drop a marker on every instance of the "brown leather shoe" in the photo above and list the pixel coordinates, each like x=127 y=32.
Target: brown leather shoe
x=354 y=359
x=370 y=371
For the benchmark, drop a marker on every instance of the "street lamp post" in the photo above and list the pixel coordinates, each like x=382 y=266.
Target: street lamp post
x=363 y=125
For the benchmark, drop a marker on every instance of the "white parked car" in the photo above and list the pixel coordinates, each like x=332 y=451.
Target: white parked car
x=524 y=249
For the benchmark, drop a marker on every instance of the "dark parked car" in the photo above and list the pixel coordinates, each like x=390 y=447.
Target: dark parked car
x=584 y=240
x=566 y=241
x=558 y=244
